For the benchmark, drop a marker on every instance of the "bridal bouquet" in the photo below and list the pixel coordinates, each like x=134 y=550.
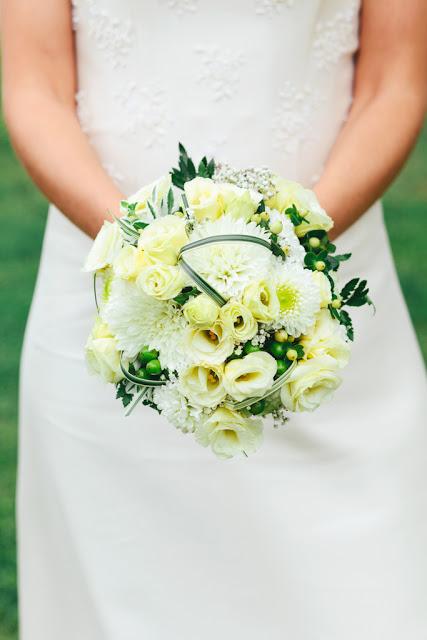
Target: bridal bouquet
x=218 y=302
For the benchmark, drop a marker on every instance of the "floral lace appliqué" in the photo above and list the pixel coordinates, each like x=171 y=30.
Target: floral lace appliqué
x=143 y=112
x=292 y=120
x=181 y=6
x=272 y=7
x=112 y=35
x=220 y=70
x=336 y=37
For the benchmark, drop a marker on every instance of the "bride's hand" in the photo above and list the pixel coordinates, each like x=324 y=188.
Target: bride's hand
x=39 y=84
x=390 y=98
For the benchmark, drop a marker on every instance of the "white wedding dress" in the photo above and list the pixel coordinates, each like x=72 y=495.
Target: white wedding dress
x=128 y=529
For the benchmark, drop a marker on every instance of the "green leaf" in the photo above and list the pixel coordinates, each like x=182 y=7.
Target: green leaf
x=359 y=297
x=150 y=206
x=123 y=394
x=295 y=217
x=170 y=201
x=333 y=262
x=310 y=259
x=347 y=322
x=140 y=224
x=185 y=295
x=348 y=288
x=187 y=170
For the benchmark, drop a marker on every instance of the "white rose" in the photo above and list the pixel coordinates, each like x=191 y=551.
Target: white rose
x=317 y=220
x=203 y=385
x=324 y=287
x=239 y=320
x=128 y=262
x=292 y=193
x=203 y=197
x=162 y=281
x=327 y=337
x=105 y=247
x=260 y=297
x=161 y=187
x=102 y=354
x=251 y=376
x=201 y=311
x=237 y=202
x=211 y=346
x=163 y=239
x=310 y=384
x=229 y=433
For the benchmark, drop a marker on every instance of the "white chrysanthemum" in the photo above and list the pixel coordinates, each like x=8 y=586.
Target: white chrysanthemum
x=230 y=266
x=288 y=239
x=176 y=409
x=299 y=298
x=138 y=320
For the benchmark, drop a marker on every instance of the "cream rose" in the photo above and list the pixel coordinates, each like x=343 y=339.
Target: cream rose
x=201 y=311
x=128 y=262
x=229 y=433
x=160 y=187
x=102 y=355
x=163 y=239
x=328 y=337
x=162 y=281
x=261 y=299
x=204 y=199
x=211 y=346
x=239 y=320
x=305 y=200
x=237 y=202
x=251 y=376
x=105 y=247
x=310 y=384
x=324 y=287
x=203 y=385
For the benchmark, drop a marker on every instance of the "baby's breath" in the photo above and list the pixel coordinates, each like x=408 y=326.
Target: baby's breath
x=254 y=179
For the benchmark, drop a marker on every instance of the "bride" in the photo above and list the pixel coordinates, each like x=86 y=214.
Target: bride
x=127 y=529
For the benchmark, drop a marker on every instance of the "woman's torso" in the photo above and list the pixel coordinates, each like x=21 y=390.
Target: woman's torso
x=255 y=82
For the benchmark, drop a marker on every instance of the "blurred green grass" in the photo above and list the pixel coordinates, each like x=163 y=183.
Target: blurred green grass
x=22 y=219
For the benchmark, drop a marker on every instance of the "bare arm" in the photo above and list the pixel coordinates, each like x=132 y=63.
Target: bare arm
x=39 y=78
x=390 y=97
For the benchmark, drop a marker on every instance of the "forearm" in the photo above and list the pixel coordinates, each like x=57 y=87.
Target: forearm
x=49 y=141
x=368 y=154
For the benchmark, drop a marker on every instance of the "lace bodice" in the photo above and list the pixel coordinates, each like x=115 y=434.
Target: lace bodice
x=251 y=81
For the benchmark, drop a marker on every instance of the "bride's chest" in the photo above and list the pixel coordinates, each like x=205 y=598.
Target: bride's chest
x=173 y=24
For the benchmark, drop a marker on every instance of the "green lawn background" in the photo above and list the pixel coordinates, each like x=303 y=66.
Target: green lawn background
x=22 y=219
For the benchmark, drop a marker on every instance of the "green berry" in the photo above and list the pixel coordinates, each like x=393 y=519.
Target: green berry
x=277 y=349
x=336 y=303
x=292 y=354
x=257 y=407
x=320 y=265
x=147 y=355
x=276 y=227
x=281 y=335
x=250 y=348
x=142 y=373
x=314 y=243
x=154 y=368
x=282 y=366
